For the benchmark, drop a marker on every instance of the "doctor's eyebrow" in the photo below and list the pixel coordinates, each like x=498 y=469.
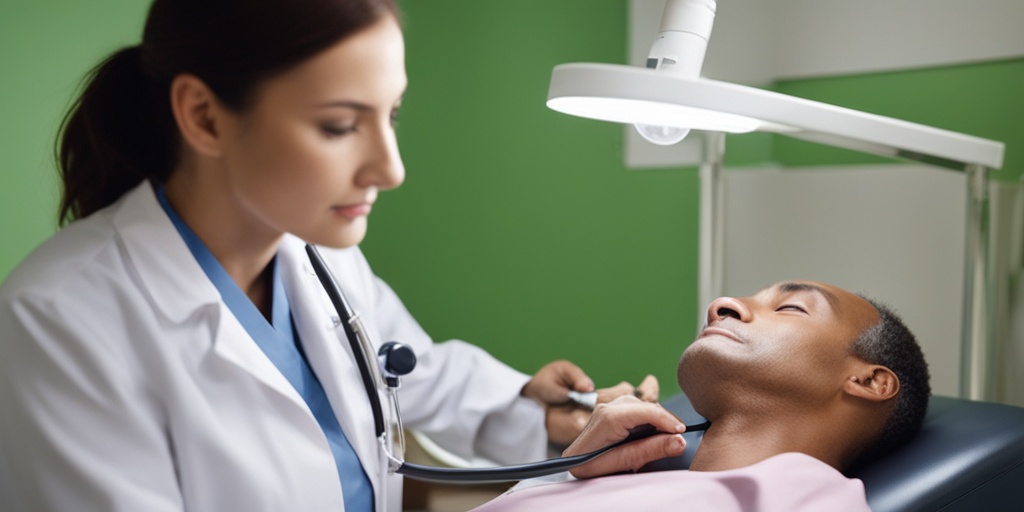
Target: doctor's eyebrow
x=790 y=287
x=355 y=105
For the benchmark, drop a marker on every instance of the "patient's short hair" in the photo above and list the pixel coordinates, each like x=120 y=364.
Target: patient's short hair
x=891 y=344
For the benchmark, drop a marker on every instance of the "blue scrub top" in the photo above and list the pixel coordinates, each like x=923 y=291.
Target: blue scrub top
x=279 y=340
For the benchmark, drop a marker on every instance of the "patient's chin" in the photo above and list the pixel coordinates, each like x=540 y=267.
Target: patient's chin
x=709 y=377
x=696 y=377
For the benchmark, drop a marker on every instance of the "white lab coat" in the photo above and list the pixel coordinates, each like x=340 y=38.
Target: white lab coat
x=127 y=384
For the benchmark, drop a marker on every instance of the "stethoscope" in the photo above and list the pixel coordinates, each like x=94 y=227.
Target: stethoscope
x=394 y=360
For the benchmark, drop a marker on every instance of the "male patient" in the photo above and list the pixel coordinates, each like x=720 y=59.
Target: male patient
x=799 y=382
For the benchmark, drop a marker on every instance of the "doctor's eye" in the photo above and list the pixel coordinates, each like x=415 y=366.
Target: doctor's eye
x=394 y=117
x=337 y=130
x=791 y=307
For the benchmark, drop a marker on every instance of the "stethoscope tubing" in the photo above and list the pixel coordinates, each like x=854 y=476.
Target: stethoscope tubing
x=349 y=321
x=522 y=471
x=502 y=473
x=346 y=314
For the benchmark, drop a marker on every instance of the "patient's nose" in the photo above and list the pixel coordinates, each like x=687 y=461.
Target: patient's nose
x=727 y=307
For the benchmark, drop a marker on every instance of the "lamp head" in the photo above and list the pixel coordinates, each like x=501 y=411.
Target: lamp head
x=649 y=98
x=679 y=48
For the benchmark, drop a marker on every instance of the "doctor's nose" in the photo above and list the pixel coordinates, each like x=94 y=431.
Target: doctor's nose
x=383 y=167
x=727 y=307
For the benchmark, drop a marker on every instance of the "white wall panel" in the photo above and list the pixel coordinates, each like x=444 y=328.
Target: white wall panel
x=836 y=37
x=895 y=233
x=758 y=41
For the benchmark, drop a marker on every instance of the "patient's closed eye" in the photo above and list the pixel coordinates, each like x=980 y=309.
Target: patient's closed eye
x=791 y=307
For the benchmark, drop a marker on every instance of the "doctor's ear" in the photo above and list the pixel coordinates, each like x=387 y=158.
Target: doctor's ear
x=198 y=114
x=873 y=382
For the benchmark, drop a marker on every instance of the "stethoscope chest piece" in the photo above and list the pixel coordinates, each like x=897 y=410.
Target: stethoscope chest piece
x=395 y=360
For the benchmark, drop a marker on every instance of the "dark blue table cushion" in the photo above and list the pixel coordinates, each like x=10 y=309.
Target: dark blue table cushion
x=969 y=456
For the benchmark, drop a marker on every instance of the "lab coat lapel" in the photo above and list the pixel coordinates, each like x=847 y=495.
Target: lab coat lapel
x=179 y=288
x=234 y=344
x=330 y=355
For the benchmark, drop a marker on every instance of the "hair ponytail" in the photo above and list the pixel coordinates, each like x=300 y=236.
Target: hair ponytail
x=112 y=138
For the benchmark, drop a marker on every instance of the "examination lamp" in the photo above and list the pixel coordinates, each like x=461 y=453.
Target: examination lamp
x=667 y=98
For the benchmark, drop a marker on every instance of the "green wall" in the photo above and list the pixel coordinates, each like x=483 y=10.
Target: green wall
x=46 y=46
x=517 y=228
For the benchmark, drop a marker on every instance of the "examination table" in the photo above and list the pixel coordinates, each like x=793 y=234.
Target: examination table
x=969 y=456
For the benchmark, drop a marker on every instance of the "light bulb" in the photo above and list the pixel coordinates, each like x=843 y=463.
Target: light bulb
x=662 y=135
x=679 y=49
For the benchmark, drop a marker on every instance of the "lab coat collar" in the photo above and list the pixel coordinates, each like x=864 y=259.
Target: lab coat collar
x=170 y=274
x=179 y=289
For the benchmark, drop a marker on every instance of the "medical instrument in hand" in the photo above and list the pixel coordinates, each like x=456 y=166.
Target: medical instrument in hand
x=395 y=360
x=588 y=399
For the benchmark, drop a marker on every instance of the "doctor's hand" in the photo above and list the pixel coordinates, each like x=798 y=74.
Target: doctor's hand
x=550 y=386
x=565 y=420
x=552 y=383
x=613 y=422
x=648 y=391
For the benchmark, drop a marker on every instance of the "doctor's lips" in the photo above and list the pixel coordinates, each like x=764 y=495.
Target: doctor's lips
x=353 y=210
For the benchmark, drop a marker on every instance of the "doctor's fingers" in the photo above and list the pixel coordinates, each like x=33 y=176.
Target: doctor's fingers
x=648 y=390
x=571 y=376
x=552 y=383
x=565 y=423
x=606 y=395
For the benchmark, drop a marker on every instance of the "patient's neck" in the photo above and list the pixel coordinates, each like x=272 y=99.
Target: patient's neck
x=737 y=441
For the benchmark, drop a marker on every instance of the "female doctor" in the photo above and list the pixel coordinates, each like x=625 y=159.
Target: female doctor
x=170 y=348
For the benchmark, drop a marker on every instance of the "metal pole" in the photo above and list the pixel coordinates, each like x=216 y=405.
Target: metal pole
x=975 y=362
x=710 y=262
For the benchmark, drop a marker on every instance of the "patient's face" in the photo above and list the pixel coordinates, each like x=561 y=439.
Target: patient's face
x=789 y=341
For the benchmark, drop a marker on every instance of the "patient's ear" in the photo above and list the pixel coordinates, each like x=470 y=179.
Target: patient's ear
x=873 y=382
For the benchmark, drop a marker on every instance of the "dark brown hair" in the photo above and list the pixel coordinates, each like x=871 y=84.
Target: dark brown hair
x=120 y=130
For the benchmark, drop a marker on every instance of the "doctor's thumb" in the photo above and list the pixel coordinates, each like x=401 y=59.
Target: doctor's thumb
x=572 y=377
x=577 y=379
x=552 y=383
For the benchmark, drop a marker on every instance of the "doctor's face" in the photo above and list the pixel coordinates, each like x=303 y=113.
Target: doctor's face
x=790 y=341
x=318 y=144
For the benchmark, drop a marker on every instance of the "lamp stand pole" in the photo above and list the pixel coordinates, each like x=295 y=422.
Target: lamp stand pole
x=976 y=355
x=710 y=262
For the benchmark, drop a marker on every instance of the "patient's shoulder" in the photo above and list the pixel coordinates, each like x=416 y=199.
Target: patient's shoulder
x=790 y=481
